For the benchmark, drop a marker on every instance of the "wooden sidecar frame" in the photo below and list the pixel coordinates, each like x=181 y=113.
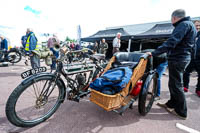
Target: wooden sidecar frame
x=112 y=102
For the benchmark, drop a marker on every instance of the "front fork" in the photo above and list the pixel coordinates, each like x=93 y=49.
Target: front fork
x=42 y=98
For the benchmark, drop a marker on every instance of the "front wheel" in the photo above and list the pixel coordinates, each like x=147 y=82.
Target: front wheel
x=147 y=93
x=14 y=56
x=34 y=101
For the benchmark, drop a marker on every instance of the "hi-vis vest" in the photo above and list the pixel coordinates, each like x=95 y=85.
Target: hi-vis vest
x=28 y=43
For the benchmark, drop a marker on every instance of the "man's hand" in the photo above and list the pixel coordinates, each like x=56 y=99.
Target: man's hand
x=31 y=54
x=149 y=53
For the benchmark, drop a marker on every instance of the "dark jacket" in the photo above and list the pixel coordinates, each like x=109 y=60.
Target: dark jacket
x=33 y=41
x=181 y=42
x=196 y=53
x=4 y=44
x=103 y=48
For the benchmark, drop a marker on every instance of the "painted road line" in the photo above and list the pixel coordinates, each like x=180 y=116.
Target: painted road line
x=18 y=69
x=187 y=129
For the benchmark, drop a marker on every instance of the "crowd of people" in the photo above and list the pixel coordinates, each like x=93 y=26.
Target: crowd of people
x=99 y=48
x=30 y=45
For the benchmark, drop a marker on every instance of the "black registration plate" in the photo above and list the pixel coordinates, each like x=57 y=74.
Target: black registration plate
x=33 y=71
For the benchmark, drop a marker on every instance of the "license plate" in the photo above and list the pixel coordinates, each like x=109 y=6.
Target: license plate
x=33 y=71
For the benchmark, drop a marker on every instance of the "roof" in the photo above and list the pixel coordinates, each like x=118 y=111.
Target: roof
x=136 y=28
x=159 y=30
x=108 y=34
x=140 y=28
x=137 y=31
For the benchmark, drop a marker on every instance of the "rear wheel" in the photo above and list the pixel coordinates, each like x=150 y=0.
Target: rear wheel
x=34 y=102
x=14 y=56
x=148 y=93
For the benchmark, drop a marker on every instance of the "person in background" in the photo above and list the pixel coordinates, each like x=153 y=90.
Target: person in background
x=178 y=48
x=159 y=64
x=23 y=42
x=32 y=47
x=116 y=43
x=77 y=46
x=103 y=47
x=195 y=62
x=4 y=46
x=72 y=46
x=160 y=69
x=95 y=47
x=89 y=46
x=4 y=43
x=52 y=42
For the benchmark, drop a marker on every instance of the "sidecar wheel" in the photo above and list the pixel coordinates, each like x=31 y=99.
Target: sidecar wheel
x=147 y=93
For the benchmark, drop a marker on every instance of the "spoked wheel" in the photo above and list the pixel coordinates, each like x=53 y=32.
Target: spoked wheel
x=14 y=57
x=34 y=102
x=148 y=93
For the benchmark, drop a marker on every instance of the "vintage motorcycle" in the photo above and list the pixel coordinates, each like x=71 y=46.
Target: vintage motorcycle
x=12 y=56
x=40 y=94
x=49 y=90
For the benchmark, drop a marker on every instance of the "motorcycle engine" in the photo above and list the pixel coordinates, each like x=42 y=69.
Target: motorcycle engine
x=81 y=79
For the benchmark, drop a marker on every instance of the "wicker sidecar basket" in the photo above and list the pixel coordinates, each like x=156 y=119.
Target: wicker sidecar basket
x=111 y=102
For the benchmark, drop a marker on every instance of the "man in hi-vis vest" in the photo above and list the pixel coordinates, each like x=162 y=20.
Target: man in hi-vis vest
x=32 y=47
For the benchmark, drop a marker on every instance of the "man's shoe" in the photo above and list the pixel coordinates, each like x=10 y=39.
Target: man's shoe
x=165 y=107
x=185 y=89
x=165 y=73
x=198 y=93
x=157 y=98
x=162 y=105
x=174 y=113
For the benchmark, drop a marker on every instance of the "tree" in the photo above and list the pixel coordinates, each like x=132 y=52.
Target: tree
x=70 y=40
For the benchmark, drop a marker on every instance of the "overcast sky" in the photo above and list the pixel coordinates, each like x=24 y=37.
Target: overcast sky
x=63 y=16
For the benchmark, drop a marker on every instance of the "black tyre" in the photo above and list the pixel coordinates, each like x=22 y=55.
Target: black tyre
x=28 y=106
x=14 y=56
x=147 y=93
